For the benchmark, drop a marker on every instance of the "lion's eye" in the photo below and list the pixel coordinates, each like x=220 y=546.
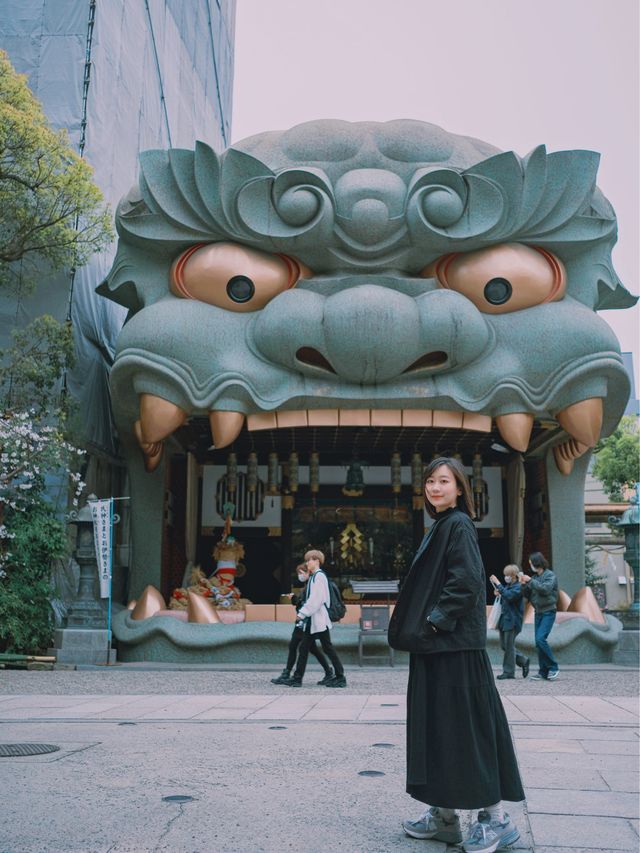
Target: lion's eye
x=232 y=276
x=503 y=278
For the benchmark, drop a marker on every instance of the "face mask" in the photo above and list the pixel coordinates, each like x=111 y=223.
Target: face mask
x=302 y=578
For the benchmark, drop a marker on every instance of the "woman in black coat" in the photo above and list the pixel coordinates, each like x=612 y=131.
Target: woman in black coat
x=459 y=749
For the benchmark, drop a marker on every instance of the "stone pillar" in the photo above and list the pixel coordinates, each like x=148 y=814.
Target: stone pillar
x=566 y=518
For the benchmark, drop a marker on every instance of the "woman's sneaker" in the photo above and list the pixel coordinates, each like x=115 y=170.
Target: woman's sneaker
x=327 y=678
x=487 y=835
x=432 y=825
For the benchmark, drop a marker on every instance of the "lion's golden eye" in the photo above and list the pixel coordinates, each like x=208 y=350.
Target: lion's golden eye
x=232 y=276
x=502 y=278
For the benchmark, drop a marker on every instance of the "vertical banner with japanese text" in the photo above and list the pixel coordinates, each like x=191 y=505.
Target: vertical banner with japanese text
x=101 y=513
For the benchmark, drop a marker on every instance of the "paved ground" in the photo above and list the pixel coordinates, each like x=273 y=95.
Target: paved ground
x=272 y=769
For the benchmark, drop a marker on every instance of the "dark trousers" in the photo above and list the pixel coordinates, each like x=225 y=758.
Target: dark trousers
x=511 y=655
x=327 y=647
x=543 y=625
x=294 y=643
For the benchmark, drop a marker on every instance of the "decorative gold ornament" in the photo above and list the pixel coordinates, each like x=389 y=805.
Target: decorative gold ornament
x=199 y=610
x=149 y=603
x=351 y=545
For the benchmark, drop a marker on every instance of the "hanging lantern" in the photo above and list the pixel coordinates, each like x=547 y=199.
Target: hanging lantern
x=417 y=474
x=272 y=474
x=354 y=484
x=252 y=472
x=232 y=472
x=480 y=489
x=293 y=472
x=396 y=474
x=314 y=473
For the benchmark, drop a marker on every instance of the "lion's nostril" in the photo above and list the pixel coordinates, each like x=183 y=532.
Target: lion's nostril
x=431 y=359
x=311 y=356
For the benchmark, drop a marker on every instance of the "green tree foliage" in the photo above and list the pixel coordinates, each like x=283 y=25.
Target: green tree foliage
x=26 y=617
x=617 y=459
x=52 y=212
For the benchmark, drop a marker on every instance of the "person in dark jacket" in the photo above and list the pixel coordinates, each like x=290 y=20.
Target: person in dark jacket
x=510 y=622
x=542 y=592
x=459 y=749
x=298 y=635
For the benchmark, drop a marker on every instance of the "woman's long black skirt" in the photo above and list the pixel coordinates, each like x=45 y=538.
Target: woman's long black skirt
x=459 y=748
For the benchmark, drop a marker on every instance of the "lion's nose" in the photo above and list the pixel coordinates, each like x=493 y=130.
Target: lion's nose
x=371 y=333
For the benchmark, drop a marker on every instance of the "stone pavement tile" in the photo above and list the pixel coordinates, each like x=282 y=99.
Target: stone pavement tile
x=551 y=745
x=578 y=761
x=222 y=714
x=597 y=710
x=546 y=709
x=599 y=747
x=618 y=780
x=537 y=850
x=332 y=708
x=134 y=707
x=606 y=834
x=594 y=804
x=83 y=707
x=629 y=703
x=559 y=778
x=514 y=714
x=284 y=708
x=251 y=701
x=577 y=732
x=186 y=708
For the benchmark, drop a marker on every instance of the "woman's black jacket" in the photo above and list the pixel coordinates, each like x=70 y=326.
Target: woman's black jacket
x=445 y=584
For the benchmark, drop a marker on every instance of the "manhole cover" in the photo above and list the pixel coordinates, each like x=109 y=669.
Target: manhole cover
x=276 y=728
x=384 y=745
x=370 y=773
x=177 y=798
x=9 y=750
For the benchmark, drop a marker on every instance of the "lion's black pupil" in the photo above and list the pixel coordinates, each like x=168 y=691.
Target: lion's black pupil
x=240 y=288
x=498 y=291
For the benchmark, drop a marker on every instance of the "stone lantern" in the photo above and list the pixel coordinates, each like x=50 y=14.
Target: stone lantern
x=629 y=523
x=85 y=639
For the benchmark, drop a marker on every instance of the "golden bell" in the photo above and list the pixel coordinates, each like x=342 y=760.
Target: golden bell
x=199 y=610
x=149 y=603
x=563 y=601
x=584 y=602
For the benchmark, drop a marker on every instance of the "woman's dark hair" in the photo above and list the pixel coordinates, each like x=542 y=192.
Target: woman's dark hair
x=465 y=500
x=537 y=559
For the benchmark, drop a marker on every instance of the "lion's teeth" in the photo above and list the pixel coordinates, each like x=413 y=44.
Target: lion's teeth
x=159 y=418
x=583 y=420
x=516 y=429
x=225 y=427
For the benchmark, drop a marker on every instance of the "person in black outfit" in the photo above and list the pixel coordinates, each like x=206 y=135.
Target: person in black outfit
x=459 y=749
x=510 y=622
x=298 y=634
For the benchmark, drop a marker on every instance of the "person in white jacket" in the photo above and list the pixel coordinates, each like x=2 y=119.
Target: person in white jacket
x=317 y=625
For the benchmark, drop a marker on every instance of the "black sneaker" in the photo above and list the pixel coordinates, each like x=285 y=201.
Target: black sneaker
x=525 y=668
x=502 y=677
x=293 y=682
x=337 y=681
x=327 y=678
x=282 y=678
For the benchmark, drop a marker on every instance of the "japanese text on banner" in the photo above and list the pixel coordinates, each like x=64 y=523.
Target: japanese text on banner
x=101 y=513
